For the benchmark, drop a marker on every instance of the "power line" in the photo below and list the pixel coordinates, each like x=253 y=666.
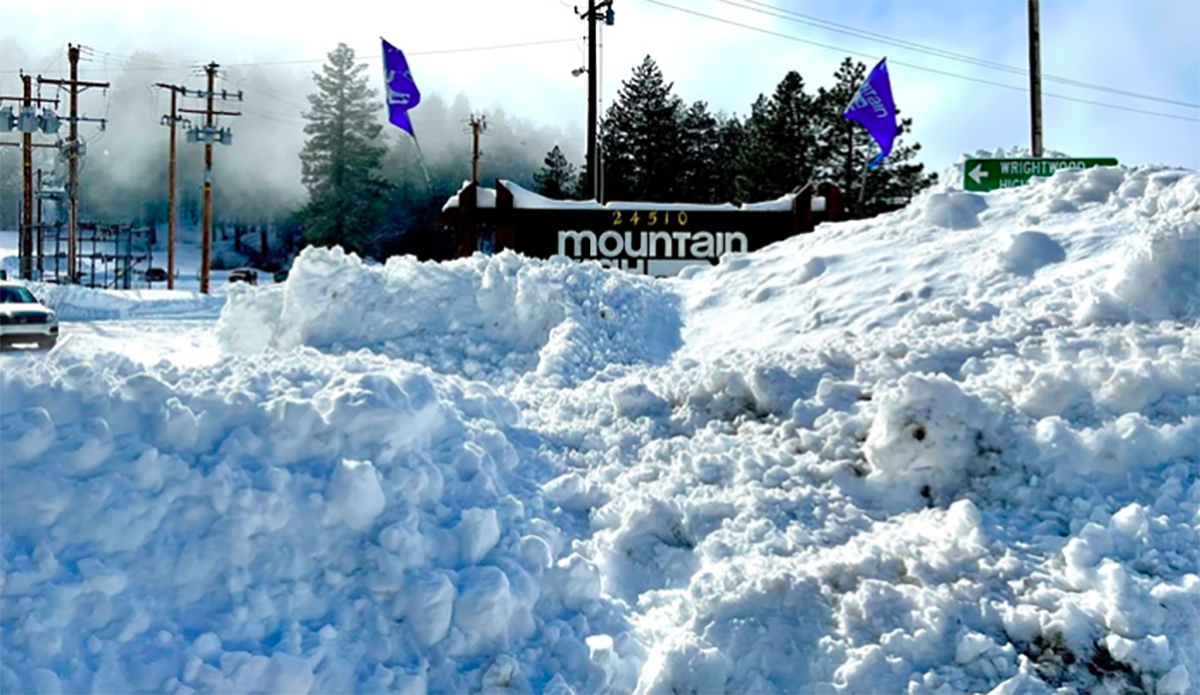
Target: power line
x=800 y=18
x=309 y=61
x=468 y=49
x=919 y=67
x=267 y=91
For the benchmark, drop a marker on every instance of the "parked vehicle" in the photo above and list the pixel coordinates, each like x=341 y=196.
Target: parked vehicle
x=246 y=275
x=24 y=320
x=156 y=275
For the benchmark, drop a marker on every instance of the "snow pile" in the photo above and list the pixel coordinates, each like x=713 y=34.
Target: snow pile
x=951 y=449
x=79 y=303
x=276 y=525
x=1129 y=250
x=495 y=317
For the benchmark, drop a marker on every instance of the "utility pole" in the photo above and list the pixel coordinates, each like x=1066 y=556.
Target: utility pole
x=209 y=135
x=593 y=88
x=41 y=229
x=1035 y=76
x=27 y=198
x=478 y=125
x=593 y=15
x=72 y=146
x=173 y=120
x=206 y=215
x=27 y=122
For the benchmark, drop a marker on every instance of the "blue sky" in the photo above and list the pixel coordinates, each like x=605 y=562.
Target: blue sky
x=1149 y=47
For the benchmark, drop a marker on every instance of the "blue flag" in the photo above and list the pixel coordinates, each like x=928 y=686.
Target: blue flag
x=402 y=92
x=874 y=110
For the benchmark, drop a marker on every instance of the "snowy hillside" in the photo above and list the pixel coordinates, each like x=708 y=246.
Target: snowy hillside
x=952 y=449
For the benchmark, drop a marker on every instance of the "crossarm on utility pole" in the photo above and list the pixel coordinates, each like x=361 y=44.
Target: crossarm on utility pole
x=204 y=112
x=78 y=83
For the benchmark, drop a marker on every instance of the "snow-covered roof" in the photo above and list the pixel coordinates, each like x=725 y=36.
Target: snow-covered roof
x=484 y=197
x=526 y=199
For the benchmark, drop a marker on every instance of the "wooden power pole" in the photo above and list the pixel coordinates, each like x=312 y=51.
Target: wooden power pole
x=173 y=121
x=478 y=125
x=209 y=134
x=593 y=164
x=593 y=15
x=72 y=146
x=27 y=122
x=206 y=215
x=1035 y=76
x=27 y=198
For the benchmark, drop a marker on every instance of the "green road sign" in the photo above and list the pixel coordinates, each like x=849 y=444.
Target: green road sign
x=990 y=174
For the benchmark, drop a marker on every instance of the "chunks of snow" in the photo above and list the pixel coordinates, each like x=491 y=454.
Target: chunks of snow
x=1030 y=251
x=948 y=449
x=354 y=496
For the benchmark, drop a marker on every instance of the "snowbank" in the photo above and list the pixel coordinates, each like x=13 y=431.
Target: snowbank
x=495 y=317
x=951 y=449
x=275 y=525
x=1127 y=251
x=79 y=303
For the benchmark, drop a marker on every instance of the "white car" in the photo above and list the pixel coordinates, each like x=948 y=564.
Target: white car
x=25 y=320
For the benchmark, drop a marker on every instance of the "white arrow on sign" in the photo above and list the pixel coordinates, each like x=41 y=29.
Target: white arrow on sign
x=977 y=173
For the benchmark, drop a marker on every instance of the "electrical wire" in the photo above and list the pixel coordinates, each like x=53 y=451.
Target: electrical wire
x=919 y=67
x=800 y=18
x=309 y=61
x=467 y=49
x=269 y=117
x=243 y=82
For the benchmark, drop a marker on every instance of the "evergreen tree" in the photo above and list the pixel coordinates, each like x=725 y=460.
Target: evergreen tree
x=783 y=145
x=847 y=147
x=557 y=178
x=341 y=161
x=581 y=188
x=752 y=152
x=700 y=170
x=641 y=136
x=731 y=140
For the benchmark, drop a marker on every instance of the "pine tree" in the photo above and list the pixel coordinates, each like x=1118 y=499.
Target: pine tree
x=754 y=149
x=581 y=186
x=731 y=141
x=557 y=178
x=847 y=147
x=640 y=139
x=341 y=161
x=784 y=141
x=700 y=171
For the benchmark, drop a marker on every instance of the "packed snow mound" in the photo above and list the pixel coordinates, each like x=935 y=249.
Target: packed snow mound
x=298 y=524
x=78 y=303
x=494 y=317
x=950 y=449
x=1127 y=251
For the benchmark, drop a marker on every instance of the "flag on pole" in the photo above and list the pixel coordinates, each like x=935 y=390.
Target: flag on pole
x=874 y=110
x=402 y=92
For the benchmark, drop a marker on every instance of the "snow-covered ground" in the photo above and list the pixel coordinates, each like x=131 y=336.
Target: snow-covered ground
x=952 y=449
x=187 y=264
